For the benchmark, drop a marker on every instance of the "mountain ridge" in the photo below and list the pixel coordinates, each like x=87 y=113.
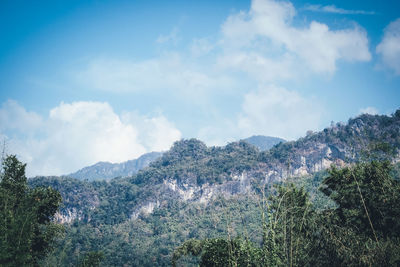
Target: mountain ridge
x=107 y=170
x=187 y=192
x=191 y=171
x=263 y=142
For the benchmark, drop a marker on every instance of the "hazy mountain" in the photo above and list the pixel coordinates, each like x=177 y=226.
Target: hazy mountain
x=107 y=170
x=264 y=142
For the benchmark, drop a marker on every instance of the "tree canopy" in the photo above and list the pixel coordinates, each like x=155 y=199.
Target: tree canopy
x=363 y=229
x=26 y=226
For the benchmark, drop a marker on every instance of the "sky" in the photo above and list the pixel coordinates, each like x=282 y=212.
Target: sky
x=89 y=81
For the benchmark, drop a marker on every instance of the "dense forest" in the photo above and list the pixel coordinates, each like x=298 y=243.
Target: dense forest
x=361 y=229
x=329 y=198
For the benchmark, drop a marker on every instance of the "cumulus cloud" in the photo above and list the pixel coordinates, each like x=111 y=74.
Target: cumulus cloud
x=276 y=111
x=389 y=47
x=268 y=28
x=220 y=132
x=255 y=48
x=78 y=134
x=13 y=116
x=337 y=10
x=269 y=110
x=157 y=133
x=262 y=42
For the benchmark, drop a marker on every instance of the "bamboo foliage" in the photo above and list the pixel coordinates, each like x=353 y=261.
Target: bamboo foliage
x=363 y=229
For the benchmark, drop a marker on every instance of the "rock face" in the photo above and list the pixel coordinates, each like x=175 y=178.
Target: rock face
x=178 y=174
x=107 y=170
x=306 y=162
x=68 y=215
x=239 y=184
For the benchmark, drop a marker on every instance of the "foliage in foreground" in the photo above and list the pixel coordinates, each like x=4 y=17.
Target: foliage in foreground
x=362 y=230
x=26 y=228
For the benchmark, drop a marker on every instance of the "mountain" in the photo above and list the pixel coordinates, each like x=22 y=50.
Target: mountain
x=195 y=191
x=262 y=142
x=107 y=170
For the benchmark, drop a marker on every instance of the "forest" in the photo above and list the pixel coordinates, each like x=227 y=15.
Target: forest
x=346 y=214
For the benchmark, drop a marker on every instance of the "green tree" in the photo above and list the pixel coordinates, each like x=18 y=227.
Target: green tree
x=92 y=259
x=26 y=227
x=220 y=252
x=364 y=229
x=367 y=198
x=287 y=234
x=361 y=229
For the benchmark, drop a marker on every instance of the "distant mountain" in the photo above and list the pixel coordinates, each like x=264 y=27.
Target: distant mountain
x=264 y=143
x=107 y=170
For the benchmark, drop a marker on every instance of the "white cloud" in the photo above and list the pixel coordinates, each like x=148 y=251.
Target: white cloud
x=258 y=66
x=276 y=111
x=82 y=133
x=201 y=47
x=220 y=132
x=369 y=110
x=261 y=46
x=337 y=10
x=171 y=72
x=389 y=47
x=271 y=111
x=13 y=116
x=263 y=43
x=157 y=133
x=268 y=29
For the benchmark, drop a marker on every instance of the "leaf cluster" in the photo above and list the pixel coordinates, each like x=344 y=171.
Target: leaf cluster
x=26 y=228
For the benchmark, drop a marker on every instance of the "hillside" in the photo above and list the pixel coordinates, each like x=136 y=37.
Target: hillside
x=195 y=191
x=107 y=170
x=191 y=170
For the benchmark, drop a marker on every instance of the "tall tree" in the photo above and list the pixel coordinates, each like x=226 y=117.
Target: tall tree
x=287 y=238
x=364 y=229
x=26 y=227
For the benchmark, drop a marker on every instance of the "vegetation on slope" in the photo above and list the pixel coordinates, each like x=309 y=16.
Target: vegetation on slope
x=106 y=224
x=362 y=230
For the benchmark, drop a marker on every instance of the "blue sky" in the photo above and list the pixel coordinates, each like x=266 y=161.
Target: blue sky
x=88 y=81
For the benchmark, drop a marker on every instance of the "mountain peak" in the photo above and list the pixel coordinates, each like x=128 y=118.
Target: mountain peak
x=264 y=143
x=107 y=170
